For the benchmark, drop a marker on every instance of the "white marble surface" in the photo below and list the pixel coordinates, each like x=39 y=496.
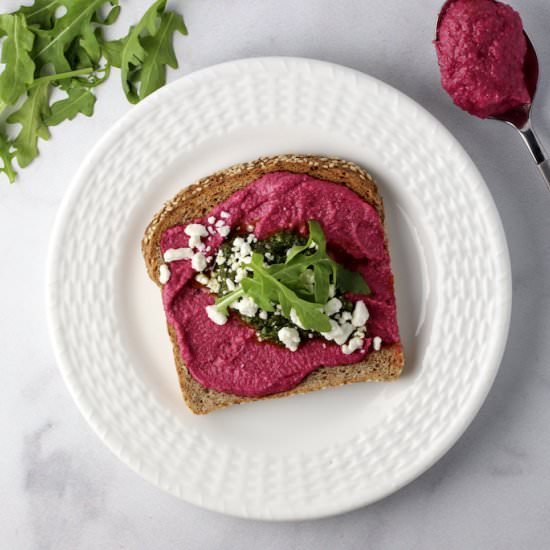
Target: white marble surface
x=62 y=489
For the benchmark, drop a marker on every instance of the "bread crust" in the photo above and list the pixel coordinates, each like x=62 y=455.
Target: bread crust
x=198 y=199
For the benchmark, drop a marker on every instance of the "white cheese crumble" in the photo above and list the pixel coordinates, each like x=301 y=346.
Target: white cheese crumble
x=346 y=316
x=219 y=223
x=262 y=315
x=294 y=318
x=198 y=262
x=246 y=306
x=224 y=230
x=360 y=314
x=195 y=242
x=238 y=242
x=338 y=333
x=334 y=305
x=215 y=315
x=211 y=220
x=377 y=343
x=202 y=279
x=196 y=230
x=225 y=215
x=230 y=285
x=213 y=285
x=289 y=337
x=174 y=254
x=240 y=274
x=164 y=274
x=353 y=345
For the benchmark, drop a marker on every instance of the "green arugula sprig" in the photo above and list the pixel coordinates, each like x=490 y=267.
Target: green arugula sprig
x=286 y=285
x=37 y=41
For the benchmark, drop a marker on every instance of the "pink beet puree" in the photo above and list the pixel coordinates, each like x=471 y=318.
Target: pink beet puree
x=229 y=358
x=481 y=52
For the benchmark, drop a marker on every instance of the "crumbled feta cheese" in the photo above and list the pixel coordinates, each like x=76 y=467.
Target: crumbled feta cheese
x=251 y=238
x=211 y=230
x=164 y=274
x=202 y=279
x=195 y=242
x=334 y=305
x=196 y=230
x=377 y=343
x=347 y=329
x=294 y=318
x=220 y=259
x=247 y=306
x=262 y=315
x=346 y=316
x=238 y=242
x=360 y=314
x=240 y=275
x=289 y=337
x=338 y=333
x=224 y=231
x=211 y=220
x=247 y=260
x=225 y=215
x=208 y=248
x=198 y=262
x=219 y=223
x=230 y=285
x=213 y=285
x=215 y=315
x=353 y=345
x=268 y=256
x=245 y=250
x=174 y=254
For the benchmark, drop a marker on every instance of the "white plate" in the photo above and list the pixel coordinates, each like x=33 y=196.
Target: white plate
x=306 y=456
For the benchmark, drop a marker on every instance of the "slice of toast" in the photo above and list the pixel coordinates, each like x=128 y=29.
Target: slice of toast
x=197 y=200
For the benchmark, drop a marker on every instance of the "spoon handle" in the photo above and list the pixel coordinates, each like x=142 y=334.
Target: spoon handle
x=538 y=152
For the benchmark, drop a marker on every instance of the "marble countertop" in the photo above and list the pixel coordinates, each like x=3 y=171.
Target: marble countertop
x=62 y=489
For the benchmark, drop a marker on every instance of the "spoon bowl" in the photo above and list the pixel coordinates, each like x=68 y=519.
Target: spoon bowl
x=519 y=117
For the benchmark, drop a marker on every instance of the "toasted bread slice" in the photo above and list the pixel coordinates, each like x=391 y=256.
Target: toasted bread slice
x=197 y=200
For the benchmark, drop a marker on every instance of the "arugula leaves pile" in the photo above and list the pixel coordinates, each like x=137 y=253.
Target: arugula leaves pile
x=44 y=50
x=286 y=284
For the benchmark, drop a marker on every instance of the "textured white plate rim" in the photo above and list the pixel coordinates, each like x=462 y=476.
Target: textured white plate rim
x=469 y=410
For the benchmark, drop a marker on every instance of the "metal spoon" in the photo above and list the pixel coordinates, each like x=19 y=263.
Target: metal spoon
x=520 y=117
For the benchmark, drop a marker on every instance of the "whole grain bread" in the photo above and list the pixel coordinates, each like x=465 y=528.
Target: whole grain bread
x=197 y=200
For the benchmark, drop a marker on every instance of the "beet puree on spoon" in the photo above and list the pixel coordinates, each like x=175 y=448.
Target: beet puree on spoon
x=489 y=66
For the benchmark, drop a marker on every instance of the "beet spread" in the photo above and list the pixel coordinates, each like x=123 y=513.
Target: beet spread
x=230 y=358
x=481 y=51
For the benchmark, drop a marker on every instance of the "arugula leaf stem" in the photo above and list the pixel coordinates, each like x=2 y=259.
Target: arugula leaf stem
x=228 y=299
x=61 y=76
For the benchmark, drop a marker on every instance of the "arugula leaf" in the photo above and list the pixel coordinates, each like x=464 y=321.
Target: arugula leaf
x=36 y=38
x=19 y=70
x=160 y=52
x=7 y=158
x=265 y=286
x=75 y=24
x=41 y=13
x=112 y=50
x=79 y=100
x=144 y=53
x=223 y=303
x=351 y=281
x=31 y=116
x=325 y=269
